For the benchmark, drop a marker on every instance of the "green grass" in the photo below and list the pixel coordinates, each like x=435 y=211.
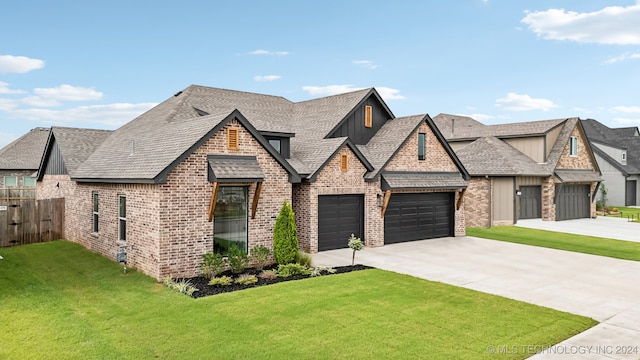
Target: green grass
x=626 y=212
x=619 y=249
x=60 y=301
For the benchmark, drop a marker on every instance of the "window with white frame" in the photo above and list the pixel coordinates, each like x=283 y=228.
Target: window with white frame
x=10 y=181
x=95 y=212
x=122 y=218
x=573 y=144
x=28 y=181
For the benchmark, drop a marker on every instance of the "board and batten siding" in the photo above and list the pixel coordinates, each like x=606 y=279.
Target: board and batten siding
x=457 y=145
x=528 y=181
x=533 y=147
x=503 y=200
x=55 y=164
x=551 y=138
x=354 y=128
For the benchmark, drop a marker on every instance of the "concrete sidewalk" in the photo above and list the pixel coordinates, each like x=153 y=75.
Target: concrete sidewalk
x=606 y=227
x=602 y=288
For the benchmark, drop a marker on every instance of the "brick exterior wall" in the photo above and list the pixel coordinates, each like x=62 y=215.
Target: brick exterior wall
x=332 y=181
x=168 y=223
x=476 y=202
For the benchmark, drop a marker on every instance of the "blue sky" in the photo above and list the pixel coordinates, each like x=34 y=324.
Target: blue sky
x=100 y=64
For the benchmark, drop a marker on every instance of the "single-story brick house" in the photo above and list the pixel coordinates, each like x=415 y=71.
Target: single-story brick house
x=617 y=151
x=539 y=169
x=212 y=167
x=19 y=161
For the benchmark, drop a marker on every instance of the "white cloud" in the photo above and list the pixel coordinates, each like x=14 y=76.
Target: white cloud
x=627 y=121
x=45 y=97
x=389 y=93
x=8 y=104
x=19 y=64
x=268 y=52
x=4 y=89
x=266 y=77
x=365 y=63
x=479 y=117
x=610 y=25
x=517 y=102
x=109 y=114
x=330 y=89
x=626 y=109
x=623 y=57
x=6 y=138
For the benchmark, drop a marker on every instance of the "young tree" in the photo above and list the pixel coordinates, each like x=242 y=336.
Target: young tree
x=285 y=238
x=356 y=245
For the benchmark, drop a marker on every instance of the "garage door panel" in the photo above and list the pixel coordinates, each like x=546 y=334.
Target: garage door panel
x=573 y=202
x=418 y=216
x=338 y=217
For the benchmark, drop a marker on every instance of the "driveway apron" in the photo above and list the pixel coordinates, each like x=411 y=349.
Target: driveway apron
x=605 y=289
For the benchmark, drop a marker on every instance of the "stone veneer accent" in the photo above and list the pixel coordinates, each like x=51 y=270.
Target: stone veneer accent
x=168 y=223
x=582 y=160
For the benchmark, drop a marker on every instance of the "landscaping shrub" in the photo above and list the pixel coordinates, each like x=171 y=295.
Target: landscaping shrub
x=246 y=279
x=238 y=259
x=319 y=270
x=260 y=256
x=212 y=265
x=285 y=239
x=356 y=245
x=291 y=269
x=183 y=286
x=268 y=274
x=221 y=281
x=304 y=258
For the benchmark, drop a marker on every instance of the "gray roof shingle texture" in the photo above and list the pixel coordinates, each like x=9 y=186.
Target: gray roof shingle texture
x=578 y=175
x=492 y=156
x=76 y=145
x=422 y=180
x=454 y=127
x=235 y=167
x=622 y=138
x=25 y=152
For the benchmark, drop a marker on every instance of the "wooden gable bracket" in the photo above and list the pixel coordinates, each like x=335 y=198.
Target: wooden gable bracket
x=385 y=202
x=256 y=199
x=212 y=201
x=459 y=203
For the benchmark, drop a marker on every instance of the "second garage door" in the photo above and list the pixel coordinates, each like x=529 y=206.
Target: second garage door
x=418 y=216
x=338 y=217
x=573 y=202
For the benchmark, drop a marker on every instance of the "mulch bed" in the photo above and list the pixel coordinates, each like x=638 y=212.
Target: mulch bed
x=204 y=289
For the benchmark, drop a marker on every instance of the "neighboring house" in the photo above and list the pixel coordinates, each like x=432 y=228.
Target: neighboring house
x=539 y=169
x=19 y=161
x=617 y=152
x=209 y=168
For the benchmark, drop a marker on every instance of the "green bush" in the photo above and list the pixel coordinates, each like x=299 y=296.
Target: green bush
x=304 y=258
x=221 y=281
x=238 y=259
x=183 y=286
x=319 y=270
x=212 y=265
x=291 y=269
x=246 y=279
x=260 y=256
x=285 y=239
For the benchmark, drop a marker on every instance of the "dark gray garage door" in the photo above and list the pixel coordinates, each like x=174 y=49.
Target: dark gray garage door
x=630 y=194
x=338 y=217
x=418 y=216
x=530 y=200
x=573 y=202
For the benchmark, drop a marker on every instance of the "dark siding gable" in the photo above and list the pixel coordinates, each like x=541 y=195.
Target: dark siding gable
x=353 y=126
x=55 y=164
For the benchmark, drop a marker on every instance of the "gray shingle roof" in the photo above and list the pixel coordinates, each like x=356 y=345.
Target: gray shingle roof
x=569 y=176
x=225 y=168
x=492 y=156
x=623 y=138
x=460 y=128
x=76 y=144
x=25 y=152
x=422 y=180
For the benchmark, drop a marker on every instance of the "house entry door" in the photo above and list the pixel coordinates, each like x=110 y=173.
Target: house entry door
x=230 y=221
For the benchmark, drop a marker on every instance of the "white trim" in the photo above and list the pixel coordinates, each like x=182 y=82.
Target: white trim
x=122 y=219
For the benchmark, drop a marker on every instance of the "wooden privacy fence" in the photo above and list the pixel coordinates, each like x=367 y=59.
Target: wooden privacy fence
x=31 y=221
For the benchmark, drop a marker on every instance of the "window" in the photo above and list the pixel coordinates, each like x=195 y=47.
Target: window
x=28 y=181
x=344 y=162
x=368 y=116
x=624 y=156
x=95 y=212
x=573 y=143
x=122 y=218
x=230 y=219
x=232 y=139
x=421 y=146
x=276 y=144
x=10 y=181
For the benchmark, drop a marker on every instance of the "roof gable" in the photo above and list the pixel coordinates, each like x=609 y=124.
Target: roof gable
x=25 y=152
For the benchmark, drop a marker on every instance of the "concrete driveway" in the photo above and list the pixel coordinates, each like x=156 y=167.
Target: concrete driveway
x=605 y=289
x=606 y=227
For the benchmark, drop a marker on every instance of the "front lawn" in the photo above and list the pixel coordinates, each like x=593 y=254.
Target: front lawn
x=60 y=301
x=626 y=213
x=619 y=249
